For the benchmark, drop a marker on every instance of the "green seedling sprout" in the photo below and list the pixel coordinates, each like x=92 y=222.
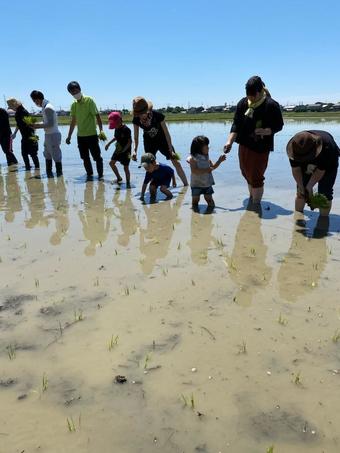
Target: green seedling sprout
x=78 y=316
x=243 y=348
x=113 y=342
x=11 y=352
x=70 y=424
x=147 y=360
x=29 y=120
x=102 y=136
x=297 y=378
x=44 y=383
x=281 y=320
x=336 y=336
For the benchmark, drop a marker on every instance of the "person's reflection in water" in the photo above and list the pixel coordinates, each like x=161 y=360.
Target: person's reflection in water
x=127 y=216
x=58 y=196
x=2 y=192
x=35 y=202
x=305 y=261
x=13 y=196
x=247 y=263
x=201 y=237
x=156 y=237
x=95 y=218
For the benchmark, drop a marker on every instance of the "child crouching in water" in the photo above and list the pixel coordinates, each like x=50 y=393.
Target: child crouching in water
x=201 y=171
x=158 y=175
x=122 y=153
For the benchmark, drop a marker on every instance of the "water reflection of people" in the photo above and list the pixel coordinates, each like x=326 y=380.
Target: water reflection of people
x=127 y=216
x=13 y=196
x=247 y=263
x=35 y=202
x=58 y=196
x=305 y=261
x=95 y=218
x=156 y=237
x=201 y=237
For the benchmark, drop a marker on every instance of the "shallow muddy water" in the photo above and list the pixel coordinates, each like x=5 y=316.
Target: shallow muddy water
x=225 y=326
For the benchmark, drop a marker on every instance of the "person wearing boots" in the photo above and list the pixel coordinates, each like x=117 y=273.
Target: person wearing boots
x=6 y=138
x=84 y=114
x=29 y=141
x=52 y=150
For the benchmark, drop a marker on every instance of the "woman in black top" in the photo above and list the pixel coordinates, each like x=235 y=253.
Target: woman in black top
x=314 y=158
x=257 y=118
x=6 y=138
x=156 y=134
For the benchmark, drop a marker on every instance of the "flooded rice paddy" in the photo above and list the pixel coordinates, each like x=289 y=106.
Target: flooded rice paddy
x=129 y=327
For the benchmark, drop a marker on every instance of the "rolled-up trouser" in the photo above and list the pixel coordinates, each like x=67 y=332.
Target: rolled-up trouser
x=52 y=150
x=253 y=165
x=6 y=145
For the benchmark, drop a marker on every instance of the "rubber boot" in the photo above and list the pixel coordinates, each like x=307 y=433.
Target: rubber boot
x=100 y=170
x=59 y=168
x=49 y=168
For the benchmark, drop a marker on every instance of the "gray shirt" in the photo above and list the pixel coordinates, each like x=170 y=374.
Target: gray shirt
x=203 y=179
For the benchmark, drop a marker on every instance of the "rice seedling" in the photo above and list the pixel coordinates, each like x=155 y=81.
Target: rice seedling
x=220 y=243
x=188 y=401
x=318 y=200
x=29 y=120
x=37 y=283
x=270 y=449
x=281 y=320
x=116 y=253
x=147 y=360
x=44 y=385
x=179 y=246
x=11 y=351
x=184 y=399
x=192 y=401
x=177 y=156
x=96 y=282
x=243 y=347
x=297 y=378
x=60 y=329
x=78 y=316
x=235 y=299
x=102 y=136
x=70 y=425
x=204 y=255
x=336 y=336
x=113 y=342
x=233 y=265
x=165 y=271
x=193 y=282
x=127 y=291
x=34 y=138
x=253 y=251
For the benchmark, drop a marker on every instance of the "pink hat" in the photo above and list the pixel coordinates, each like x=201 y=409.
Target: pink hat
x=114 y=119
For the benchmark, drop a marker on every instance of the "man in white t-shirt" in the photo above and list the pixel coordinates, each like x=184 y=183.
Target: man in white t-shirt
x=52 y=150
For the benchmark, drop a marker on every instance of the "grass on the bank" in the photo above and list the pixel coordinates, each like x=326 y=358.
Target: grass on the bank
x=222 y=116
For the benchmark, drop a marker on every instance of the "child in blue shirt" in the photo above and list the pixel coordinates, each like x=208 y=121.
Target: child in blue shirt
x=158 y=175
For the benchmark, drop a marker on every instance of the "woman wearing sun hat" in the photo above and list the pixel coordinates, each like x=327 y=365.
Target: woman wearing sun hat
x=314 y=158
x=156 y=134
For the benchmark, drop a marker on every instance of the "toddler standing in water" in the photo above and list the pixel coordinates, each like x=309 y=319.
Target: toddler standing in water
x=122 y=153
x=201 y=171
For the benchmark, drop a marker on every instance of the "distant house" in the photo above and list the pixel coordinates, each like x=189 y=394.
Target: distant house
x=215 y=108
x=193 y=110
x=63 y=113
x=289 y=108
x=317 y=107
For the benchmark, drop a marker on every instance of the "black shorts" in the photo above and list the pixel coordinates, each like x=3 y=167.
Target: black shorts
x=326 y=183
x=122 y=158
x=162 y=147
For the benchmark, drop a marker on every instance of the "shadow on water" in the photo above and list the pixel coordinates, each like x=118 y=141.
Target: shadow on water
x=267 y=210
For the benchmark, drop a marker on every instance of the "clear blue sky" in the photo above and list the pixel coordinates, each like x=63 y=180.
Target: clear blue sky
x=175 y=52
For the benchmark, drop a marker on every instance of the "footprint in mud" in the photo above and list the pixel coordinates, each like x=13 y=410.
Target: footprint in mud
x=282 y=425
x=5 y=383
x=50 y=311
x=15 y=302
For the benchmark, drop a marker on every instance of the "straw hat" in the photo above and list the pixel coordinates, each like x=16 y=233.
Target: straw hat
x=304 y=146
x=140 y=105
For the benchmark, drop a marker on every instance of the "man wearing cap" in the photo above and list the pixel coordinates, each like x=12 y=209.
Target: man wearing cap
x=84 y=114
x=6 y=138
x=314 y=158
